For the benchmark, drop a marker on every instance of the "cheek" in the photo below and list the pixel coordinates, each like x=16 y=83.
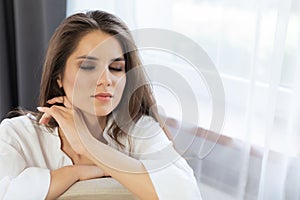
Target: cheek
x=119 y=89
x=76 y=85
x=68 y=85
x=121 y=85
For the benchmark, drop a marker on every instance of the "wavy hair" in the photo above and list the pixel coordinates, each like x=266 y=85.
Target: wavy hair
x=137 y=102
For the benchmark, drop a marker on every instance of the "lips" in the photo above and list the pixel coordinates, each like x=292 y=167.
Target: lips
x=104 y=96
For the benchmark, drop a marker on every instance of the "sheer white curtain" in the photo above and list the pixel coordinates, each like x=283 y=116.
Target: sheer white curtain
x=255 y=46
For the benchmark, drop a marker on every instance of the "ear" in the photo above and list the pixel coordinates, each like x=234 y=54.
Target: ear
x=59 y=82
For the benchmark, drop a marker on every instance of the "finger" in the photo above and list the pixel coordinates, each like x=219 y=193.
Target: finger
x=61 y=99
x=54 y=111
x=67 y=102
x=45 y=119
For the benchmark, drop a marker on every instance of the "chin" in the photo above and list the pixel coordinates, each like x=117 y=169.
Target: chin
x=102 y=113
x=99 y=112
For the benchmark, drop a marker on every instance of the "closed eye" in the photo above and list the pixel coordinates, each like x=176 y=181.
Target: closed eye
x=87 y=67
x=118 y=69
x=117 y=66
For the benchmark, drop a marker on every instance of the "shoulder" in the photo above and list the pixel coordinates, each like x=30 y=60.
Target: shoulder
x=19 y=127
x=148 y=136
x=143 y=136
x=23 y=122
x=146 y=126
x=24 y=119
x=146 y=120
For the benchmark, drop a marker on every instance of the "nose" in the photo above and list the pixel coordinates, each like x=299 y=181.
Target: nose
x=105 y=79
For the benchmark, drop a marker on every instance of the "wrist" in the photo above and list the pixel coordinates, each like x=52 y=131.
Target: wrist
x=73 y=169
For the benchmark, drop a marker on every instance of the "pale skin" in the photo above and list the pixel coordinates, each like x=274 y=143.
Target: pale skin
x=81 y=73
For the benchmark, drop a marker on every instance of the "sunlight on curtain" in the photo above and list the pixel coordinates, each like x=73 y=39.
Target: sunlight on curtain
x=255 y=46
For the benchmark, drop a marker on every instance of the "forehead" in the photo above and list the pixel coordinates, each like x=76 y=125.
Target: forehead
x=98 y=44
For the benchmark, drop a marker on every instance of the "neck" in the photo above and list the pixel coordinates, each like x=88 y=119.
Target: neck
x=95 y=124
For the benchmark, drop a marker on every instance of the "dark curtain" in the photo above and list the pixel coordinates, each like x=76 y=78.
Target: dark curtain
x=25 y=28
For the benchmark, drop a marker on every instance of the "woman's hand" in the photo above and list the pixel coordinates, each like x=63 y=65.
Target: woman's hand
x=68 y=120
x=86 y=172
x=63 y=178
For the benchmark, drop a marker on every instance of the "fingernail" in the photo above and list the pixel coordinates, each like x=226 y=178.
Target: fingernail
x=39 y=108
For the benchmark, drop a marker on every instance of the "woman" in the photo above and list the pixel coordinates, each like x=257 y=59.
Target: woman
x=97 y=117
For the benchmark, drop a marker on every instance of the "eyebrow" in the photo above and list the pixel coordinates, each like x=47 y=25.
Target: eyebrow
x=95 y=58
x=87 y=57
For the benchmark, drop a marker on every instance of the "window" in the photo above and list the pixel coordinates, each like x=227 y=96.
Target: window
x=254 y=45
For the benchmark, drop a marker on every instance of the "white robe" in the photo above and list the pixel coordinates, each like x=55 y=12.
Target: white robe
x=28 y=151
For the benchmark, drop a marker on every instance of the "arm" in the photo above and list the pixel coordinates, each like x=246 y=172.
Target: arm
x=155 y=168
x=152 y=173
x=129 y=171
x=18 y=180
x=132 y=174
x=63 y=178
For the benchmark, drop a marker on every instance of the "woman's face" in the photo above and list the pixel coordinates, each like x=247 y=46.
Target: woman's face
x=94 y=76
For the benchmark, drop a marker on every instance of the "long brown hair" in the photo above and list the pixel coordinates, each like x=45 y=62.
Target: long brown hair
x=137 y=102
